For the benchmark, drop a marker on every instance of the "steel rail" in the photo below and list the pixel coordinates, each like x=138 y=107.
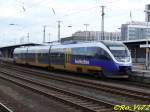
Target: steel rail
x=74 y=99
x=4 y=108
x=108 y=88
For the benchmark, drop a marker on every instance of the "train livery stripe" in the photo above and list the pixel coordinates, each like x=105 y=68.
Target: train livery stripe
x=73 y=67
x=38 y=64
x=20 y=61
x=32 y=63
x=58 y=66
x=85 y=68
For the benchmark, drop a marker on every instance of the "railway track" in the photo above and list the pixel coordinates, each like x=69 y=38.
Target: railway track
x=141 y=95
x=4 y=108
x=143 y=85
x=125 y=82
x=76 y=100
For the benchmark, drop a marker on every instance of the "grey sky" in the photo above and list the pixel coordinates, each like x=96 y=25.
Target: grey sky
x=30 y=16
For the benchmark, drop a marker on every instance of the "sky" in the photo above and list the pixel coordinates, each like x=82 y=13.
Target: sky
x=20 y=17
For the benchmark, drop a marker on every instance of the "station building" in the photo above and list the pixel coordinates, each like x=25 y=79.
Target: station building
x=7 y=51
x=147 y=13
x=135 y=30
x=93 y=36
x=138 y=49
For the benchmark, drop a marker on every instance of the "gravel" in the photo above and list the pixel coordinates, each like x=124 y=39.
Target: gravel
x=23 y=100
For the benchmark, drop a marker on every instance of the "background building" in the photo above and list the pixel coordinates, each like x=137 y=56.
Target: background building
x=135 y=30
x=147 y=13
x=93 y=36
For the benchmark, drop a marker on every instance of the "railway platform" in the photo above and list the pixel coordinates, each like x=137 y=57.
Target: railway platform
x=140 y=73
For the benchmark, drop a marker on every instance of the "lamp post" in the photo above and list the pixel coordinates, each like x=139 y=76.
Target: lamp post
x=147 y=49
x=28 y=36
x=49 y=34
x=70 y=26
x=59 y=40
x=44 y=27
x=44 y=32
x=86 y=25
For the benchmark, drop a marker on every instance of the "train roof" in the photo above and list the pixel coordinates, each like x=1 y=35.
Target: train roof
x=32 y=49
x=88 y=44
x=45 y=48
x=112 y=43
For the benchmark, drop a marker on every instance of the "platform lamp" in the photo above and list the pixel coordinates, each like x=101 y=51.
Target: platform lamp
x=147 y=50
x=44 y=32
x=28 y=35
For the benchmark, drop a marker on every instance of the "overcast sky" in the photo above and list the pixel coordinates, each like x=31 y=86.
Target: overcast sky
x=30 y=16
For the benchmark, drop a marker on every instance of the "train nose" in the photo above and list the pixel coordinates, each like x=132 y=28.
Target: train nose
x=125 y=69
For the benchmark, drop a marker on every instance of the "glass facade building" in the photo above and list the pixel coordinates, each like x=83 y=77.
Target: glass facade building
x=97 y=35
x=135 y=31
x=147 y=13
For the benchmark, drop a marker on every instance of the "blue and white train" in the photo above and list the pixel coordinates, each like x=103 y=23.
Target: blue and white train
x=105 y=58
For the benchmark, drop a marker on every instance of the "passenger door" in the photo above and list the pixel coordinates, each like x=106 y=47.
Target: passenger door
x=67 y=56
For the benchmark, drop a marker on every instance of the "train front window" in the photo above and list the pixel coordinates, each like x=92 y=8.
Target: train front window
x=120 y=53
x=118 y=50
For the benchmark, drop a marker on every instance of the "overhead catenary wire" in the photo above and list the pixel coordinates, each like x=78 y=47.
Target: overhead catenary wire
x=66 y=15
x=83 y=10
x=70 y=14
x=86 y=10
x=73 y=13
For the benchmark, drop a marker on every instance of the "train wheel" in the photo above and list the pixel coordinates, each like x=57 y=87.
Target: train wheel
x=99 y=75
x=96 y=75
x=51 y=69
x=102 y=75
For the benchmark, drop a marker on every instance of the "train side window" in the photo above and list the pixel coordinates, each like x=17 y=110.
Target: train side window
x=102 y=54
x=84 y=51
x=91 y=51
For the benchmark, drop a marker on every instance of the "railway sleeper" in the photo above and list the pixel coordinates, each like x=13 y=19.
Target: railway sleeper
x=64 y=96
x=80 y=101
x=86 y=104
x=91 y=105
x=69 y=99
x=101 y=109
x=43 y=91
x=104 y=110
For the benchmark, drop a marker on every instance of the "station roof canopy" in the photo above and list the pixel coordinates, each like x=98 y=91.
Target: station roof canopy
x=138 y=42
x=18 y=45
x=145 y=46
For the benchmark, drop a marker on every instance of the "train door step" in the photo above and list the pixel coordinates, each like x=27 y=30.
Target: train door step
x=79 y=69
